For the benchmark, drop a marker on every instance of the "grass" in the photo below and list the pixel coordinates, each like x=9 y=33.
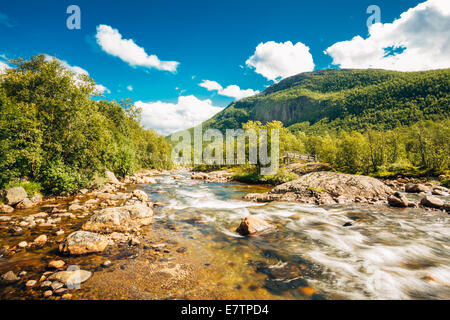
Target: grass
x=30 y=187
x=253 y=177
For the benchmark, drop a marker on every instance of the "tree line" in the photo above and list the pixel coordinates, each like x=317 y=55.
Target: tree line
x=58 y=131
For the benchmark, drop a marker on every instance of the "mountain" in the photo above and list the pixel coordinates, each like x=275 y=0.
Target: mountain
x=344 y=99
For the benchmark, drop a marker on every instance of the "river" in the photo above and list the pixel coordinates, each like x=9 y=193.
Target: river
x=316 y=252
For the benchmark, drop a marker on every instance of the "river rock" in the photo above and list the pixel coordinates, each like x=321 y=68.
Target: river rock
x=25 y=204
x=9 y=277
x=4 y=208
x=15 y=195
x=252 y=225
x=416 y=188
x=75 y=207
x=214 y=176
x=327 y=188
x=119 y=219
x=71 y=278
x=141 y=195
x=398 y=200
x=111 y=177
x=432 y=202
x=41 y=240
x=82 y=242
x=30 y=283
x=56 y=264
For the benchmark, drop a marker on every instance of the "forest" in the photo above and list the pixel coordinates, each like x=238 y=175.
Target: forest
x=58 y=134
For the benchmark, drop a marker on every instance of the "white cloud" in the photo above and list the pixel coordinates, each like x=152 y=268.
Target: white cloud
x=110 y=40
x=167 y=118
x=102 y=89
x=418 y=40
x=78 y=71
x=280 y=60
x=232 y=91
x=3 y=67
x=130 y=88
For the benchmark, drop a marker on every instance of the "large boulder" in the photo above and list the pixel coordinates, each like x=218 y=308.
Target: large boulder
x=82 y=242
x=15 y=195
x=327 y=188
x=119 y=219
x=252 y=225
x=432 y=202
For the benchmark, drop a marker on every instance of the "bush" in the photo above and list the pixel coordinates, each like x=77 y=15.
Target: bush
x=58 y=179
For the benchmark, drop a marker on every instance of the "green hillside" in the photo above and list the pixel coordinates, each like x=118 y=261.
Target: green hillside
x=345 y=99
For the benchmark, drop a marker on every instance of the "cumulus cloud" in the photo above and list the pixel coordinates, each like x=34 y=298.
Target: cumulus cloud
x=3 y=67
x=111 y=41
x=78 y=71
x=232 y=91
x=418 y=40
x=130 y=88
x=276 y=61
x=167 y=118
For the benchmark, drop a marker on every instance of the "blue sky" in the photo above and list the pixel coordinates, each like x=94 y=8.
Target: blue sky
x=215 y=41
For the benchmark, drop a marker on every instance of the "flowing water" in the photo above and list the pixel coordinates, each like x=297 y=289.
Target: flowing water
x=316 y=252
x=384 y=254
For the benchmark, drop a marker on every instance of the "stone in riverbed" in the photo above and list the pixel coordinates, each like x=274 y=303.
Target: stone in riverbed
x=327 y=188
x=119 y=219
x=398 y=200
x=4 y=208
x=432 y=202
x=252 y=225
x=48 y=293
x=141 y=195
x=416 y=188
x=9 y=277
x=30 y=283
x=23 y=244
x=111 y=177
x=71 y=278
x=82 y=242
x=75 y=207
x=25 y=204
x=15 y=195
x=41 y=240
x=56 y=264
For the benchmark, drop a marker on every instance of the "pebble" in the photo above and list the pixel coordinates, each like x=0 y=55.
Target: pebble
x=181 y=250
x=67 y=296
x=48 y=294
x=30 y=283
x=56 y=264
x=57 y=285
x=23 y=244
x=46 y=284
x=107 y=263
x=59 y=232
x=41 y=240
x=23 y=273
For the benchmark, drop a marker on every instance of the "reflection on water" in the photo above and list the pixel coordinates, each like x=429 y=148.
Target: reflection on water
x=380 y=253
